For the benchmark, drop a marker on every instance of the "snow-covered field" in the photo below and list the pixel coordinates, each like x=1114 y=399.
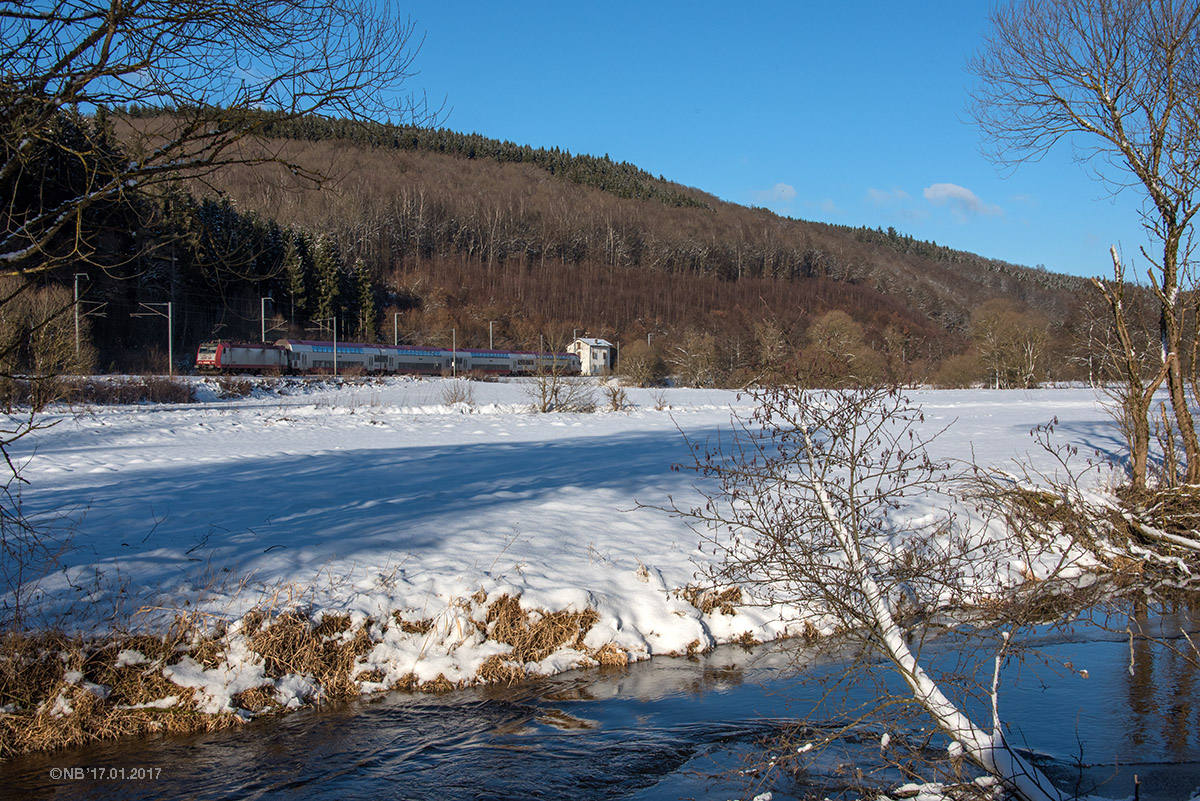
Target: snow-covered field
x=376 y=498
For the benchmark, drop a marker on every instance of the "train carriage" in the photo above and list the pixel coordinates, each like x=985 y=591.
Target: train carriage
x=416 y=361
x=306 y=356
x=299 y=356
x=491 y=362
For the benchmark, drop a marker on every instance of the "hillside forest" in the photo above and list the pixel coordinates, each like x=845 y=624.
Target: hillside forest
x=425 y=236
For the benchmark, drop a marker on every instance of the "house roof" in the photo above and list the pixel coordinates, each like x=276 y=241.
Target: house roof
x=595 y=343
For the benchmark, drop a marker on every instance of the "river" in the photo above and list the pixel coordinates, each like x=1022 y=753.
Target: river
x=664 y=729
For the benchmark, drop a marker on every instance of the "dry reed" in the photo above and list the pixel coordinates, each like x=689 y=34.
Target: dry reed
x=58 y=692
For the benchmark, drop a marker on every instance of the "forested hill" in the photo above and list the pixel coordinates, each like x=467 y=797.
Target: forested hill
x=424 y=234
x=618 y=178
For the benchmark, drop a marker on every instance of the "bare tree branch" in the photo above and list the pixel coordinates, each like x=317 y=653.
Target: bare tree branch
x=1118 y=80
x=218 y=72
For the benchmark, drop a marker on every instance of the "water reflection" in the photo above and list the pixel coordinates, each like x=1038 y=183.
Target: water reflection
x=1162 y=680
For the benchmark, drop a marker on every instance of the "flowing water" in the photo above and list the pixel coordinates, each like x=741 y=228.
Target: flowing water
x=664 y=729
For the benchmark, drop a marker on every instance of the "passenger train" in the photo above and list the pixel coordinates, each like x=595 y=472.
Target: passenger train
x=301 y=356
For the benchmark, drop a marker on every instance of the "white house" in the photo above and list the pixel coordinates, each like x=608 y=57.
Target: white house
x=595 y=355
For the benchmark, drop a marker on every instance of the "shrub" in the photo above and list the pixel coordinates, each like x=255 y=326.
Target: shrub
x=553 y=392
x=126 y=390
x=234 y=387
x=459 y=390
x=616 y=397
x=958 y=372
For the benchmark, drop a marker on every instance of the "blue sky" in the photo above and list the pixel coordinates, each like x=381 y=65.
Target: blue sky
x=850 y=113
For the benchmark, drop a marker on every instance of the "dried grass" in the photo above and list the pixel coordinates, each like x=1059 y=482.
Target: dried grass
x=498 y=670
x=1175 y=510
x=423 y=626
x=327 y=650
x=93 y=719
x=536 y=635
x=407 y=683
x=32 y=666
x=708 y=600
x=134 y=684
x=439 y=685
x=259 y=700
x=610 y=655
x=59 y=692
x=458 y=391
x=747 y=640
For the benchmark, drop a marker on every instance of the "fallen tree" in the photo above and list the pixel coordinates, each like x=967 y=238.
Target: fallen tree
x=822 y=504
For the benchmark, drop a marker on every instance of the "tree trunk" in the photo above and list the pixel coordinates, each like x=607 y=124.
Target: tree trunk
x=987 y=750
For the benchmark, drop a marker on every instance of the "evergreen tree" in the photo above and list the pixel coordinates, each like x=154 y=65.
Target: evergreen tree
x=296 y=274
x=365 y=292
x=329 y=270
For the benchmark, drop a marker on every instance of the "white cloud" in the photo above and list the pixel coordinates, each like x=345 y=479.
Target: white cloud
x=779 y=194
x=883 y=197
x=963 y=202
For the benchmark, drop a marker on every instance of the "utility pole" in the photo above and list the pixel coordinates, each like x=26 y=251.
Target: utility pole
x=94 y=311
x=263 y=313
x=152 y=311
x=491 y=341
x=77 y=276
x=332 y=320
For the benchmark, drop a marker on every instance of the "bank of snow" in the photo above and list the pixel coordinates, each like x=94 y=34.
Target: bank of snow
x=408 y=519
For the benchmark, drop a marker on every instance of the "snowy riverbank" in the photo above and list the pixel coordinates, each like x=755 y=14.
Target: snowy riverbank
x=379 y=503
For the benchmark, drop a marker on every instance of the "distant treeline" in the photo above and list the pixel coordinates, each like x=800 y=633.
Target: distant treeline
x=619 y=178
x=906 y=244
x=424 y=235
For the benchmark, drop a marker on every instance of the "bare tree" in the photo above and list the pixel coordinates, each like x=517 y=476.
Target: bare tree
x=808 y=514
x=694 y=359
x=1117 y=80
x=641 y=365
x=839 y=354
x=212 y=67
x=1011 y=343
x=1133 y=394
x=37 y=333
x=557 y=387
